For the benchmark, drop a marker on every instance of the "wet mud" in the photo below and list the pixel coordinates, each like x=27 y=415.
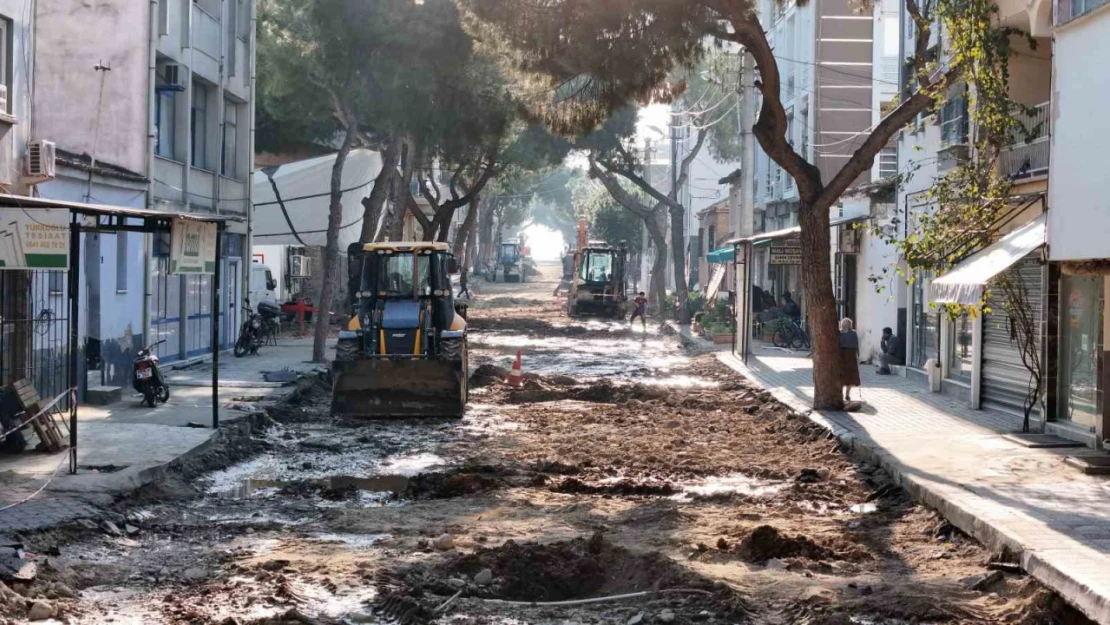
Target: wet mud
x=624 y=481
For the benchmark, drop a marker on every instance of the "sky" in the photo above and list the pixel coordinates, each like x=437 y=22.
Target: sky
x=546 y=244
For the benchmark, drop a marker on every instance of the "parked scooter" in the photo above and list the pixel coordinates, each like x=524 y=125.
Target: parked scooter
x=250 y=333
x=147 y=378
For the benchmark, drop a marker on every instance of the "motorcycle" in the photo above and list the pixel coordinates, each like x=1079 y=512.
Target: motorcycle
x=146 y=377
x=250 y=333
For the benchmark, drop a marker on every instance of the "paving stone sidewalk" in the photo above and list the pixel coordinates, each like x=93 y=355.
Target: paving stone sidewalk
x=955 y=459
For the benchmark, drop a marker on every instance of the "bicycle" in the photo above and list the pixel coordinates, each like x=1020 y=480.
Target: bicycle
x=789 y=334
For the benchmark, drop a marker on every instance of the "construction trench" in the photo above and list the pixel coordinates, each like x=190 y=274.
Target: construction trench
x=626 y=481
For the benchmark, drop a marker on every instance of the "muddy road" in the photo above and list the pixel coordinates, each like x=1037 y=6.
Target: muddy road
x=625 y=471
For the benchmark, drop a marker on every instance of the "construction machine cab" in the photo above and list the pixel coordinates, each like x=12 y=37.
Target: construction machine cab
x=599 y=285
x=403 y=352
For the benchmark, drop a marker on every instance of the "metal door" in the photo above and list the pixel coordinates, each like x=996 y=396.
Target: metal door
x=1005 y=378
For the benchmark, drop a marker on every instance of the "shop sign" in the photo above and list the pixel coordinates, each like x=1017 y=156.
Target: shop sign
x=786 y=251
x=34 y=238
x=192 y=246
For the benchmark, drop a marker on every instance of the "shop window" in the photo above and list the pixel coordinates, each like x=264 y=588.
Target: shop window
x=959 y=349
x=1080 y=390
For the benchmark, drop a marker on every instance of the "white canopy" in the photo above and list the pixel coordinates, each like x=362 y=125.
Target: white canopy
x=297 y=213
x=964 y=284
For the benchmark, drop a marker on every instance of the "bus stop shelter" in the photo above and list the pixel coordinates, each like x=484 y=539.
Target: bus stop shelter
x=43 y=235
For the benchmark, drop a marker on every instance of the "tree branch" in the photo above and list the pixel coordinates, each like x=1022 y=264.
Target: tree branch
x=923 y=23
x=620 y=195
x=864 y=156
x=684 y=168
x=454 y=186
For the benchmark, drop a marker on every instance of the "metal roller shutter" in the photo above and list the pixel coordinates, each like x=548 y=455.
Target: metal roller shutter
x=1005 y=379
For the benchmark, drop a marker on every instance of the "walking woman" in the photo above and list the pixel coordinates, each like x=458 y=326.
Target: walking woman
x=849 y=357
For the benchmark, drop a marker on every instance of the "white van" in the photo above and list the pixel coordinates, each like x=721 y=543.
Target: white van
x=263 y=285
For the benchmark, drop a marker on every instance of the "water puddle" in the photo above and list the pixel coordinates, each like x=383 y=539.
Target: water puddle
x=864 y=508
x=584 y=357
x=734 y=484
x=376 y=489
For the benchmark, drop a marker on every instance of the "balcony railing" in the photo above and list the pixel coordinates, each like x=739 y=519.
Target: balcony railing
x=1027 y=156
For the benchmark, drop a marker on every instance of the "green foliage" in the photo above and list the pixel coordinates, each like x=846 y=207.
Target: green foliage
x=712 y=99
x=966 y=203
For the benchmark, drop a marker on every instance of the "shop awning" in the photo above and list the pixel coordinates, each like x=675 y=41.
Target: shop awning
x=964 y=284
x=764 y=237
x=721 y=256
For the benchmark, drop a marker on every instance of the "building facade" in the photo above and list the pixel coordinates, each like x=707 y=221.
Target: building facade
x=976 y=358
x=165 y=122
x=1078 y=223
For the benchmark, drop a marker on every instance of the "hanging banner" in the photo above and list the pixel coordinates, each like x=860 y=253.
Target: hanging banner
x=786 y=251
x=34 y=238
x=192 y=246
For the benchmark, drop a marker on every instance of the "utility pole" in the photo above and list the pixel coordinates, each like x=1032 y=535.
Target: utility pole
x=746 y=225
x=103 y=70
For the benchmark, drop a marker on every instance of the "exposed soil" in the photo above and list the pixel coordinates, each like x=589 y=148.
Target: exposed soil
x=621 y=465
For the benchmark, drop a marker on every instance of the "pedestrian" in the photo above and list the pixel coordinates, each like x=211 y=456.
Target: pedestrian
x=849 y=358
x=890 y=351
x=568 y=272
x=639 y=310
x=791 y=309
x=463 y=288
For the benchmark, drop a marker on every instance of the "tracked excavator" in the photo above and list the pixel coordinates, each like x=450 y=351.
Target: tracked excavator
x=403 y=352
x=598 y=285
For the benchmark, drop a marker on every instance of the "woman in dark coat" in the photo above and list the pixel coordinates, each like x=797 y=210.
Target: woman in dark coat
x=849 y=357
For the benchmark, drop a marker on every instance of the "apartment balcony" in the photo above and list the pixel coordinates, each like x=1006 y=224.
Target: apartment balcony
x=1027 y=155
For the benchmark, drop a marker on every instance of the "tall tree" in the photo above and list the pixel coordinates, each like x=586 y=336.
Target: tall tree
x=320 y=43
x=613 y=53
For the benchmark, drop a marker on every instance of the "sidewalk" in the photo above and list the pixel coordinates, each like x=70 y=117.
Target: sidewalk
x=124 y=446
x=954 y=459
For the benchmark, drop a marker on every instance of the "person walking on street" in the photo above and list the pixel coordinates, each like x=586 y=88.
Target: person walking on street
x=639 y=310
x=849 y=358
x=463 y=288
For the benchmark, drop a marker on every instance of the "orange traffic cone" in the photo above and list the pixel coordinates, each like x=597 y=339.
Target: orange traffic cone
x=516 y=376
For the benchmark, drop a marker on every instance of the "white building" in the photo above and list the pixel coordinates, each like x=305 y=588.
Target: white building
x=150 y=105
x=1078 y=221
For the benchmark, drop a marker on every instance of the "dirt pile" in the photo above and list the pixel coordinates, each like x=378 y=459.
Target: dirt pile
x=765 y=542
x=562 y=571
x=539 y=390
x=466 y=481
x=622 y=488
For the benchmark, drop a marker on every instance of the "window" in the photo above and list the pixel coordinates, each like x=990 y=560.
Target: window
x=121 y=262
x=1067 y=10
x=163 y=17
x=6 y=63
x=229 y=156
x=712 y=239
x=701 y=242
x=243 y=20
x=57 y=282
x=199 y=125
x=165 y=115
x=953 y=119
x=888 y=162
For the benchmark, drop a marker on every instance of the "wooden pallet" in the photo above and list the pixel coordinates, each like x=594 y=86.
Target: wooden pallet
x=46 y=426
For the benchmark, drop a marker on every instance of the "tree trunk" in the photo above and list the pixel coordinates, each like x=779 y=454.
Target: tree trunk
x=471 y=250
x=678 y=249
x=331 y=250
x=378 y=195
x=467 y=227
x=394 y=227
x=820 y=307
x=485 y=235
x=657 y=289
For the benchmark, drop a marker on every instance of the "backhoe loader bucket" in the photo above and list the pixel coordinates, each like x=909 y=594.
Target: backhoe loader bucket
x=398 y=387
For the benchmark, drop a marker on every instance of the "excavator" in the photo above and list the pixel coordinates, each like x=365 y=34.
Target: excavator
x=403 y=352
x=598 y=285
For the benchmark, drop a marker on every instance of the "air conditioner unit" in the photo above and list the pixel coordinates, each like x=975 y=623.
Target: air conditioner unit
x=300 y=266
x=40 y=161
x=171 y=78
